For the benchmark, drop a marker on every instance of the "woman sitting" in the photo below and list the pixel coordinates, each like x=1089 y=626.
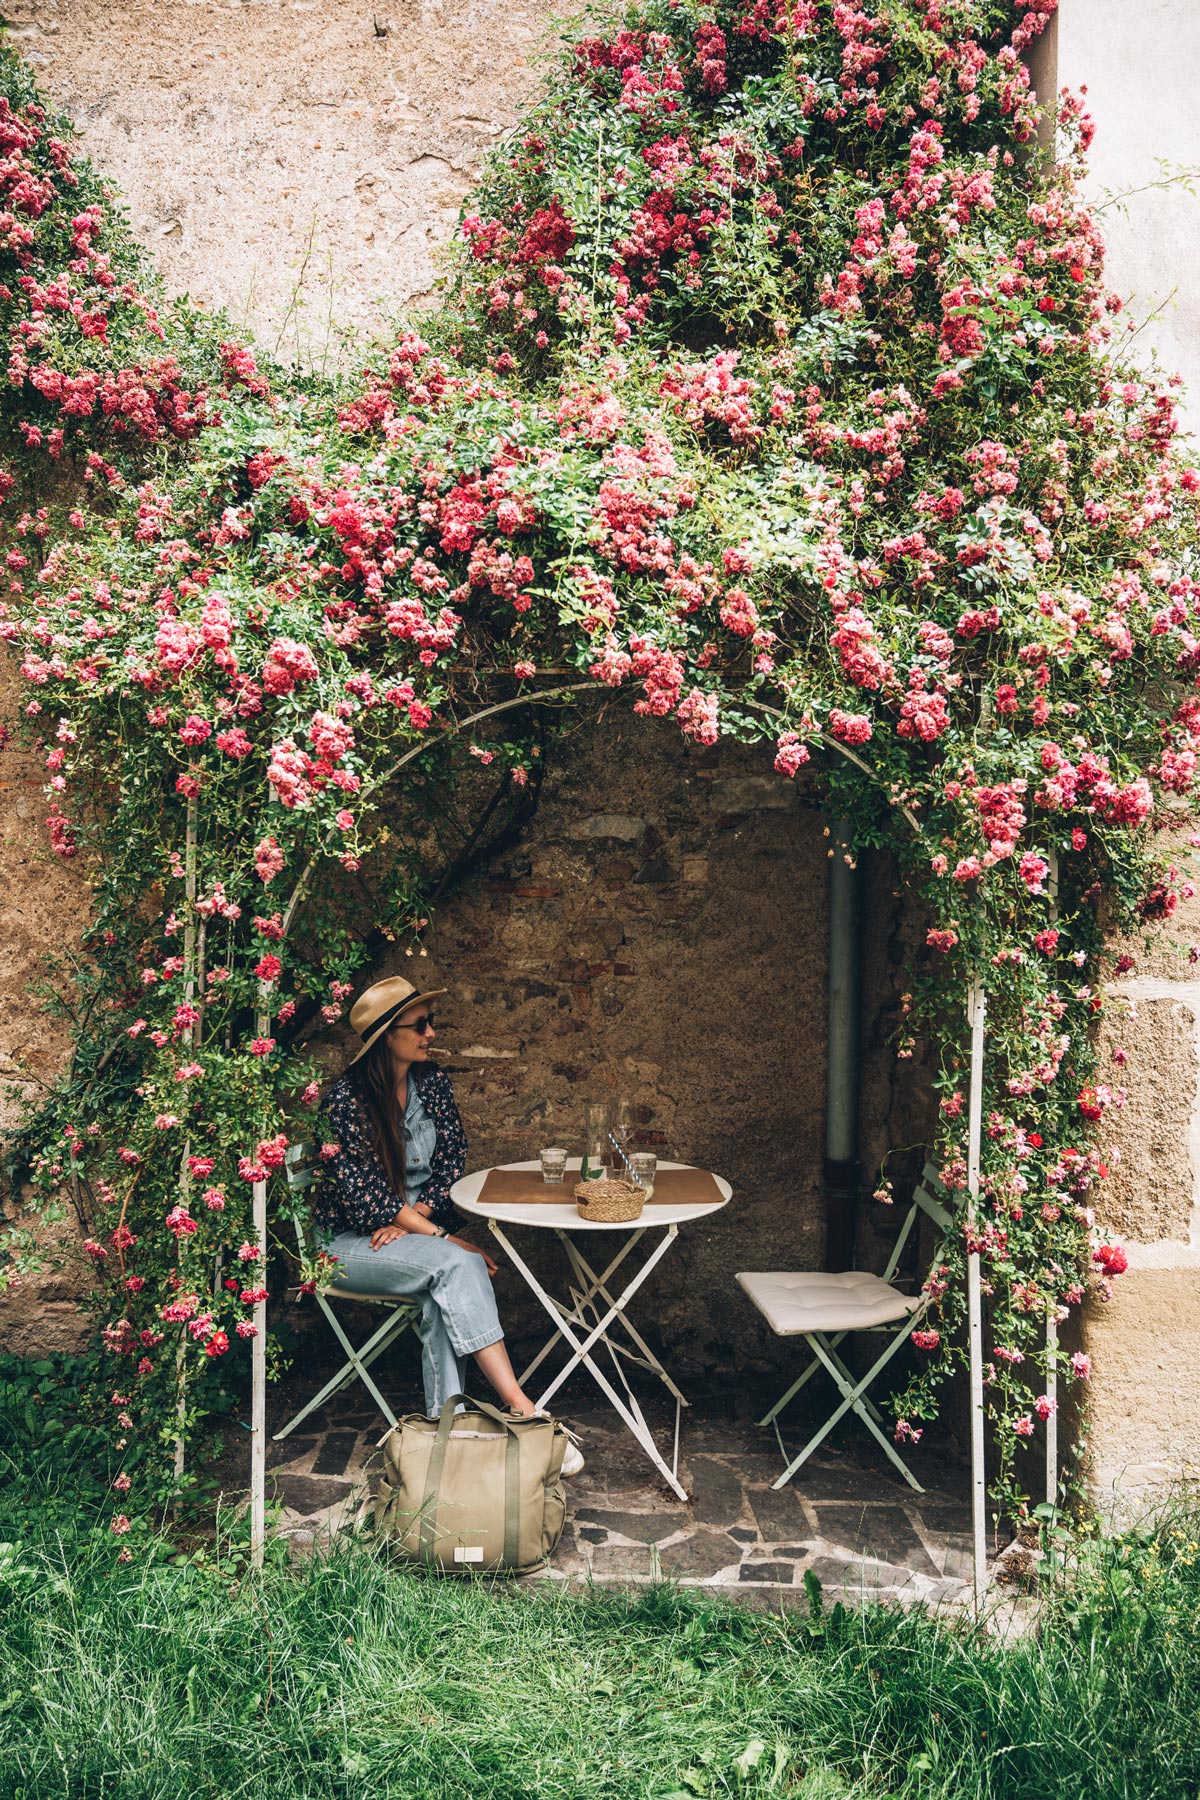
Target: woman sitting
x=385 y=1198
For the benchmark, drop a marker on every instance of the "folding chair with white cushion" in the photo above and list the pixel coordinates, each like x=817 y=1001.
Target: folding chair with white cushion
x=302 y=1173
x=823 y=1309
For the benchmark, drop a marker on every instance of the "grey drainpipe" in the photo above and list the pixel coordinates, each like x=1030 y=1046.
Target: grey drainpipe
x=842 y=1067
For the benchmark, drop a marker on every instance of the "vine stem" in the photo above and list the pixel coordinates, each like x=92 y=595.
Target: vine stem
x=449 y=731
x=556 y=693
x=977 y=1019
x=124 y=1210
x=189 y=889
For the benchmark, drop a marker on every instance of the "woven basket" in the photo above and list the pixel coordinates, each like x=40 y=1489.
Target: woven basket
x=609 y=1202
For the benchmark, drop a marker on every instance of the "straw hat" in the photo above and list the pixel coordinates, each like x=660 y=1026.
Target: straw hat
x=380 y=1005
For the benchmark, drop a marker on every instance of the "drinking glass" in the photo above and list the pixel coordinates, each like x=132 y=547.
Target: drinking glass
x=620 y=1122
x=554 y=1165
x=644 y=1163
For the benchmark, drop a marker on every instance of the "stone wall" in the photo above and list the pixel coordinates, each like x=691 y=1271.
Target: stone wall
x=1138 y=64
x=42 y=903
x=664 y=928
x=1145 y=1343
x=298 y=162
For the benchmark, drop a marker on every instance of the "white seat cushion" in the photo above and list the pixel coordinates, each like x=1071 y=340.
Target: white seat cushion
x=813 y=1301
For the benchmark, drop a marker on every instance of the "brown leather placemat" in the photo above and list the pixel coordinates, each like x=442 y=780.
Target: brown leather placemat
x=525 y=1187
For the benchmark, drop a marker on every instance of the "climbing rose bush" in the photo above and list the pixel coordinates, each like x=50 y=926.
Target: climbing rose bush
x=776 y=382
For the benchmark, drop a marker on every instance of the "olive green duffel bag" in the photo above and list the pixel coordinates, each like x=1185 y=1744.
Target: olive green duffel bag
x=473 y=1492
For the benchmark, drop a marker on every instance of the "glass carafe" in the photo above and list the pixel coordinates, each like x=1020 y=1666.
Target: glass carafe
x=595 y=1142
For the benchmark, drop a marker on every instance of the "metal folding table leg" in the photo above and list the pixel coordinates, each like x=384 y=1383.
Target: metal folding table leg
x=618 y=1353
x=583 y=1347
x=566 y=1311
x=597 y=1286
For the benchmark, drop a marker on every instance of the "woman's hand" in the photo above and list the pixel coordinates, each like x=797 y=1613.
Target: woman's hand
x=490 y=1263
x=386 y=1235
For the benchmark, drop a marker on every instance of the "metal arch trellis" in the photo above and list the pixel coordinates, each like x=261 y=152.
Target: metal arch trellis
x=976 y=1017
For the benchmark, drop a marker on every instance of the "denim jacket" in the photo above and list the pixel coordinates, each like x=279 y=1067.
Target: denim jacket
x=355 y=1194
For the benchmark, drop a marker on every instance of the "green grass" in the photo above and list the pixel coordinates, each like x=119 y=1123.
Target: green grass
x=178 y=1676
x=349 y=1677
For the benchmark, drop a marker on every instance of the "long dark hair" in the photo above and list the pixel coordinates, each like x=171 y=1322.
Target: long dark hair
x=375 y=1083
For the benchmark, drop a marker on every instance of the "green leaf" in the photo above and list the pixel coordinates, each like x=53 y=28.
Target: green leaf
x=750 y=1757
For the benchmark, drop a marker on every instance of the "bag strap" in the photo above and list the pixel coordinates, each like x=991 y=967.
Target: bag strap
x=437 y=1461
x=433 y=1479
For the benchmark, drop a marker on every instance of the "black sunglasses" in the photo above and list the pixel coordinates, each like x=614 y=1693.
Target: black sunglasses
x=421 y=1025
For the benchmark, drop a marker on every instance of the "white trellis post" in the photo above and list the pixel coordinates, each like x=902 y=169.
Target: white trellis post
x=258 y=1350
x=1052 y=1318
x=1052 y=1419
x=193 y=992
x=976 y=1015
x=258 y=1396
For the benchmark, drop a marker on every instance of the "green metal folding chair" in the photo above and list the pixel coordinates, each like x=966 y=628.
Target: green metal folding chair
x=302 y=1173
x=823 y=1309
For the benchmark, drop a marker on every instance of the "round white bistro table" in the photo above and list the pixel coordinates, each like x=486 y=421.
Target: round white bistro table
x=578 y=1321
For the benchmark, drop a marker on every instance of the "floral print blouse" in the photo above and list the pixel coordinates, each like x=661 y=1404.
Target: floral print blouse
x=355 y=1194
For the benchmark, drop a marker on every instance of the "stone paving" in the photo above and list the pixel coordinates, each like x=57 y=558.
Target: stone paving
x=847 y=1517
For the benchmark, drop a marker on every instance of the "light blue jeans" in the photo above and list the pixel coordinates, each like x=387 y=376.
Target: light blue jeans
x=458 y=1308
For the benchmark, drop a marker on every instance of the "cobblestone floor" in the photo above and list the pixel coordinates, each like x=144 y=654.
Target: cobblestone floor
x=847 y=1516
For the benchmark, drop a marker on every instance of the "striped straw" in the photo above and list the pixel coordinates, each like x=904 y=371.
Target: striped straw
x=636 y=1180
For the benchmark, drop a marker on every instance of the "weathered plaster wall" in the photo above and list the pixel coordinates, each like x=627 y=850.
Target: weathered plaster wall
x=1139 y=65
x=41 y=905
x=1145 y=1342
x=293 y=160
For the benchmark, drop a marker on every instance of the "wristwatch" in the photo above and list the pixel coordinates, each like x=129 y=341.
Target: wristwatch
x=440 y=1231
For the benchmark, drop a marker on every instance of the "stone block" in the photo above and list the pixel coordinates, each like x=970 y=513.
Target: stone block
x=291 y=1450
x=615 y=1561
x=657 y=871
x=1143 y=1428
x=701 y=1556
x=619 y=828
x=884 y=1533
x=717 y=1497
x=1150 y=1193
x=752 y=793
x=307 y=1494
x=857 y=1580
x=643 y=1528
x=335 y=1453
x=780 y=1514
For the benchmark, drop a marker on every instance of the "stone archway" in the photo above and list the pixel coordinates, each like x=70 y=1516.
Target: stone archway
x=665 y=919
